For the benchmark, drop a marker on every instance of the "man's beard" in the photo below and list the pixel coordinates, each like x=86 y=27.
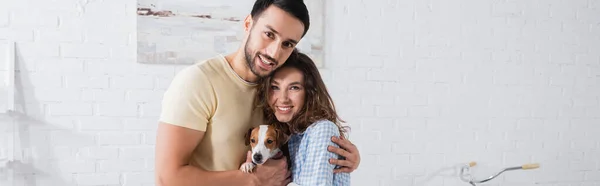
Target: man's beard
x=250 y=62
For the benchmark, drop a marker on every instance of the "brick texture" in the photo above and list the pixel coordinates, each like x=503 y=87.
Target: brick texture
x=425 y=85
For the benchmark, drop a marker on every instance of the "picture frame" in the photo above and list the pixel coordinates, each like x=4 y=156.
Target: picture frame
x=183 y=32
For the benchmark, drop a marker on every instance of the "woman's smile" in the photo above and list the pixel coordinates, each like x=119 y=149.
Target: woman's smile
x=287 y=93
x=284 y=109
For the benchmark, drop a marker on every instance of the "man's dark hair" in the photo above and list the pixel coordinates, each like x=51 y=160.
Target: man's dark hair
x=296 y=8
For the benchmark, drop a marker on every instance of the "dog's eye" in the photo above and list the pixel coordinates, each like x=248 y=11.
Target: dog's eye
x=253 y=141
x=269 y=141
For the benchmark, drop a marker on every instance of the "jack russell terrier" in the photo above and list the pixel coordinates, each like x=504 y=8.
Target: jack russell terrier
x=266 y=141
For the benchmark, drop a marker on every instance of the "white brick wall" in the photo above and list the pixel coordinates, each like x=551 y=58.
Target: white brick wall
x=426 y=85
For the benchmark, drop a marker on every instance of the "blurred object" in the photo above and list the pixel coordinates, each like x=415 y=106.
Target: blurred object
x=466 y=176
x=9 y=132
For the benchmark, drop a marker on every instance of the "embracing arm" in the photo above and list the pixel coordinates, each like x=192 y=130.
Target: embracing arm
x=316 y=169
x=187 y=105
x=347 y=150
x=174 y=147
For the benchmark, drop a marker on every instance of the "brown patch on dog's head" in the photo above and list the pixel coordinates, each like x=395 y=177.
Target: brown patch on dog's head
x=249 y=135
x=271 y=140
x=281 y=134
x=275 y=136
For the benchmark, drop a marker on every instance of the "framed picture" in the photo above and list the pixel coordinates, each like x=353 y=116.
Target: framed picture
x=183 y=32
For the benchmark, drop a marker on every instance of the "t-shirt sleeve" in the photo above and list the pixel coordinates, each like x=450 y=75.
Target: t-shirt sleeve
x=189 y=101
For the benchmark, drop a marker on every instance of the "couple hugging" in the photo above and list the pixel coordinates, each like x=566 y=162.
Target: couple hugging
x=224 y=119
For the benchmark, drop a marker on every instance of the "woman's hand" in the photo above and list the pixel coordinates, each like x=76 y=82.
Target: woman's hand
x=347 y=150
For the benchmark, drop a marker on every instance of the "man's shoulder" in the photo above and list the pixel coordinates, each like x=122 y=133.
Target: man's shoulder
x=208 y=66
x=214 y=61
x=202 y=70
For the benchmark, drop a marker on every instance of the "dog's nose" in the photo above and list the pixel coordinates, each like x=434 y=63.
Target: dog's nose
x=257 y=157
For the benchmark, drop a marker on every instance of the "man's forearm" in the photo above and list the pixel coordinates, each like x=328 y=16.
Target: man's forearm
x=192 y=176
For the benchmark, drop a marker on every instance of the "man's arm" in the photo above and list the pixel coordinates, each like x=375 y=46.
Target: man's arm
x=187 y=106
x=174 y=147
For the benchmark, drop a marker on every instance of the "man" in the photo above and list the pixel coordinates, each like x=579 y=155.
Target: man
x=209 y=106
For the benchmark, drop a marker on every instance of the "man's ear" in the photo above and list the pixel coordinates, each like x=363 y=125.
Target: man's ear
x=248 y=21
x=247 y=136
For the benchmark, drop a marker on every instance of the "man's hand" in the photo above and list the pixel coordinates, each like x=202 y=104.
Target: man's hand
x=347 y=150
x=273 y=172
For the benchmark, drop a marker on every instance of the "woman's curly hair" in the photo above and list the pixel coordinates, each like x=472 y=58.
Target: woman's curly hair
x=318 y=103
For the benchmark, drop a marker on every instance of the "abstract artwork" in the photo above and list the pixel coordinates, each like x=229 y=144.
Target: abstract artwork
x=182 y=32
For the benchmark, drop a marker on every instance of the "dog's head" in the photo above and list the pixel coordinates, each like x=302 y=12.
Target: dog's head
x=265 y=141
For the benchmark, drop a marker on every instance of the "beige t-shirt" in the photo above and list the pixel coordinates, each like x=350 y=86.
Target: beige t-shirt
x=209 y=96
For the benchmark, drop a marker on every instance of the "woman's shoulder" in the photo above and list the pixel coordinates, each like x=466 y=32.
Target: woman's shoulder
x=325 y=126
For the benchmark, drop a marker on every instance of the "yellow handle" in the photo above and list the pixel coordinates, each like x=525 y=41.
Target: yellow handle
x=531 y=166
x=472 y=164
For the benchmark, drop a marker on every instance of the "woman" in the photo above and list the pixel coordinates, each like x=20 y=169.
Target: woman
x=296 y=95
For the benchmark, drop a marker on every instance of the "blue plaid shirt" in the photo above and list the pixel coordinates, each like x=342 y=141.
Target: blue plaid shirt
x=310 y=157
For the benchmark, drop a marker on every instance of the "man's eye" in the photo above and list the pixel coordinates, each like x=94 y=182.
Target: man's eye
x=269 y=34
x=288 y=45
x=269 y=141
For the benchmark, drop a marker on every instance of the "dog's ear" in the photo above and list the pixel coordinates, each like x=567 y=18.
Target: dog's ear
x=283 y=135
x=247 y=136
